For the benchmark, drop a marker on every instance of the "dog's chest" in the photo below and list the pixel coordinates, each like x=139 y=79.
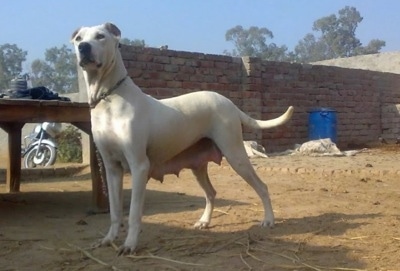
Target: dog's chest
x=111 y=146
x=109 y=131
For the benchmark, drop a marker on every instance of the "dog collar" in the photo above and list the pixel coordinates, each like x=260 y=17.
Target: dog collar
x=104 y=95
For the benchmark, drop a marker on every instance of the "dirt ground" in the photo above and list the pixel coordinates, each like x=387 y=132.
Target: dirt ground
x=332 y=213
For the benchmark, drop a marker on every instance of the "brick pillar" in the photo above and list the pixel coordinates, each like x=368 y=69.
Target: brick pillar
x=251 y=96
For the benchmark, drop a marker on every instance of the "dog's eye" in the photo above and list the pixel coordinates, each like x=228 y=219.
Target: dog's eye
x=78 y=38
x=100 y=36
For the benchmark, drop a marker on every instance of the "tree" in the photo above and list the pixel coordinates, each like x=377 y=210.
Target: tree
x=135 y=42
x=309 y=50
x=58 y=72
x=337 y=38
x=11 y=58
x=253 y=42
x=372 y=48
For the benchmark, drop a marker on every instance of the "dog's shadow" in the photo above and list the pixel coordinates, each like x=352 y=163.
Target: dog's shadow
x=331 y=224
x=160 y=202
x=55 y=215
x=290 y=244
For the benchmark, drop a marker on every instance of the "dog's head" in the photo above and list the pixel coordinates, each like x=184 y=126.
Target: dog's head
x=95 y=46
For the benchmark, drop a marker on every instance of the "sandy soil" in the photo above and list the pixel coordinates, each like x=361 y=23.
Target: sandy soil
x=339 y=213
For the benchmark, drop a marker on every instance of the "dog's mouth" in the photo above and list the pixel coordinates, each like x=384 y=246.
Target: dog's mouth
x=86 y=62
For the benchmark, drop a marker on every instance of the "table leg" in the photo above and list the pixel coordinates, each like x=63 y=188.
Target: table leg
x=14 y=156
x=99 y=186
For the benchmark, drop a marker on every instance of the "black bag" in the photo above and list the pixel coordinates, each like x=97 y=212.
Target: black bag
x=37 y=93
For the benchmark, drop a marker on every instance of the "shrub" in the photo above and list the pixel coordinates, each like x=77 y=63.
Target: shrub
x=69 y=145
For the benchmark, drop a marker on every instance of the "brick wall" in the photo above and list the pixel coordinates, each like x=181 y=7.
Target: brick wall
x=366 y=102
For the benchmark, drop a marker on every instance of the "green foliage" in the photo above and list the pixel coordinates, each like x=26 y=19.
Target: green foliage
x=373 y=47
x=69 y=145
x=11 y=58
x=58 y=72
x=135 y=42
x=253 y=42
x=309 y=50
x=337 y=38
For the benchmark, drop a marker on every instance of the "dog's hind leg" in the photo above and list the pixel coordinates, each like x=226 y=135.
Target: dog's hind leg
x=202 y=178
x=235 y=153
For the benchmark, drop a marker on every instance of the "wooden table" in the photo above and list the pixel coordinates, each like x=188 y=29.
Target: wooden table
x=15 y=113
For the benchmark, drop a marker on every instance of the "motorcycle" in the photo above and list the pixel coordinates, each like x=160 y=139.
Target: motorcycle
x=40 y=148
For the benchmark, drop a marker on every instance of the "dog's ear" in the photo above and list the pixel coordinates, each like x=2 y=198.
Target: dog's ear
x=74 y=34
x=113 y=29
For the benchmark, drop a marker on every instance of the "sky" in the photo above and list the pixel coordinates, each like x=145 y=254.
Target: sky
x=186 y=25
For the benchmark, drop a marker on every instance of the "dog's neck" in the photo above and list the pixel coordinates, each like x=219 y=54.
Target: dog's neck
x=100 y=83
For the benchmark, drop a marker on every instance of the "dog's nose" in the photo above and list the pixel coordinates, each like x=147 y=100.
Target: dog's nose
x=84 y=48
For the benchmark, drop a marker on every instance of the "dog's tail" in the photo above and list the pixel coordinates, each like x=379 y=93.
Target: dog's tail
x=265 y=124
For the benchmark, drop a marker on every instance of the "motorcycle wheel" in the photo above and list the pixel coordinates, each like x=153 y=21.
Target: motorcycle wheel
x=46 y=157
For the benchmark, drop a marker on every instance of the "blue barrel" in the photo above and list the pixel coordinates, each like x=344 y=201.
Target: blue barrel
x=322 y=124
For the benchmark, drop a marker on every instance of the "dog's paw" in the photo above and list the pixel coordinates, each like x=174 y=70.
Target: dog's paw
x=96 y=244
x=201 y=225
x=267 y=223
x=101 y=243
x=125 y=250
x=105 y=242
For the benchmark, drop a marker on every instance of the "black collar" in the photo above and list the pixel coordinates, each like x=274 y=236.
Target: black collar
x=104 y=95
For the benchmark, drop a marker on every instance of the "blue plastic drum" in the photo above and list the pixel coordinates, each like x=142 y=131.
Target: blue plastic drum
x=322 y=124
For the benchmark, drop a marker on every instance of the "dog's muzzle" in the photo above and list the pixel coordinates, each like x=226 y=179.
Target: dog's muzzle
x=85 y=52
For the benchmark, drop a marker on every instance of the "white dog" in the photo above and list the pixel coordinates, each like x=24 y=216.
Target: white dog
x=151 y=138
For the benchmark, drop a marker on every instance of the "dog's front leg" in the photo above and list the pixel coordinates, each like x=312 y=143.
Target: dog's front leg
x=140 y=173
x=114 y=174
